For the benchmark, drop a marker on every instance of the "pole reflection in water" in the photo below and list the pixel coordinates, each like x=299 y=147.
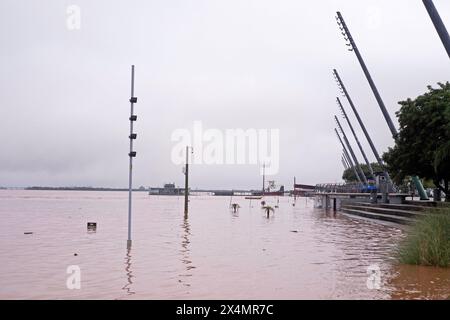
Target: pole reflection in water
x=129 y=273
x=185 y=253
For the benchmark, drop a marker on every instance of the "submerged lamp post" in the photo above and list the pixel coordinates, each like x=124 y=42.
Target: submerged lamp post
x=131 y=155
x=186 y=182
x=352 y=47
x=264 y=179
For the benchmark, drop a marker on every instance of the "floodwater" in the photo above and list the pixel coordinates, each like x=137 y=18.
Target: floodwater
x=298 y=253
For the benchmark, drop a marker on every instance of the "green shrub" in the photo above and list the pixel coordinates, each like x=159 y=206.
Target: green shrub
x=428 y=243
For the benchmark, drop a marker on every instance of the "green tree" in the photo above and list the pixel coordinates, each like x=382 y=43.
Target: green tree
x=349 y=174
x=423 y=144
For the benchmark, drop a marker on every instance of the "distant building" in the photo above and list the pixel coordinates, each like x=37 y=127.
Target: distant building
x=169 y=189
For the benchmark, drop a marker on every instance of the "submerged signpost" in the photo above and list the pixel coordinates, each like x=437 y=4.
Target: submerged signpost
x=131 y=155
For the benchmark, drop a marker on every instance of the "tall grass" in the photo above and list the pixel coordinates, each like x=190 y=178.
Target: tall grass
x=428 y=243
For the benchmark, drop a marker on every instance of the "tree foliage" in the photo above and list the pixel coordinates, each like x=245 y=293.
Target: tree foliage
x=349 y=174
x=422 y=147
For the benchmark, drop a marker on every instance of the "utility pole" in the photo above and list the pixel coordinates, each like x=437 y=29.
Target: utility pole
x=186 y=183
x=295 y=197
x=348 y=157
x=352 y=47
x=351 y=151
x=131 y=155
x=264 y=178
x=438 y=24
x=344 y=115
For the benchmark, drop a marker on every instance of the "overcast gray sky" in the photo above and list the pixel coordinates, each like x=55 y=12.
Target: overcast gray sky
x=231 y=64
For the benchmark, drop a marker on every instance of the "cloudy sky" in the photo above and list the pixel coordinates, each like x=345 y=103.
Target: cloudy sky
x=261 y=64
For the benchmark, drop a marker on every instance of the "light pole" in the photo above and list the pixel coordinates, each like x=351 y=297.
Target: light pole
x=345 y=159
x=131 y=155
x=344 y=91
x=344 y=163
x=363 y=176
x=438 y=24
x=352 y=47
x=344 y=115
x=348 y=156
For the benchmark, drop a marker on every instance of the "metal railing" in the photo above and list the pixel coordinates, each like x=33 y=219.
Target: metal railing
x=340 y=188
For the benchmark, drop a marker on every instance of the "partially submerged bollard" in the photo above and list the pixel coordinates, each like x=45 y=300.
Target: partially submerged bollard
x=437 y=195
x=383 y=187
x=327 y=202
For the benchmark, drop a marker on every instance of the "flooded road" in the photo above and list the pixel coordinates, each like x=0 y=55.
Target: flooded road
x=298 y=253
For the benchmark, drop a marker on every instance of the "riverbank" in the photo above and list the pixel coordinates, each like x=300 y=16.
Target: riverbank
x=428 y=242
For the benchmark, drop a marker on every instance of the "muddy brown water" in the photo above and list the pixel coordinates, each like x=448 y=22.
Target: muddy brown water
x=298 y=253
